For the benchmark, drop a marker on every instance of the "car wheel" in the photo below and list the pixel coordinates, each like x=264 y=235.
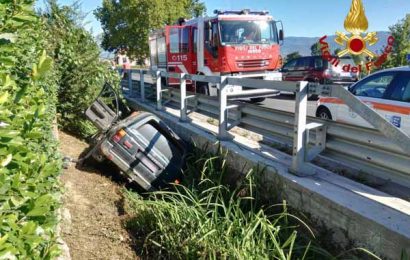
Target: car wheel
x=324 y=113
x=257 y=100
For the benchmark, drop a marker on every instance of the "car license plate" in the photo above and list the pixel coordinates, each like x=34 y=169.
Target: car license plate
x=345 y=74
x=276 y=76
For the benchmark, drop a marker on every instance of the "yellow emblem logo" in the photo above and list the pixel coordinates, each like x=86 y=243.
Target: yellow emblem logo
x=356 y=24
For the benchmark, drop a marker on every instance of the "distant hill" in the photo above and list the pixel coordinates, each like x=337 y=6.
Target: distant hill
x=302 y=44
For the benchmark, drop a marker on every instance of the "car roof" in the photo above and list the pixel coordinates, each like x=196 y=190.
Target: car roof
x=404 y=68
x=318 y=56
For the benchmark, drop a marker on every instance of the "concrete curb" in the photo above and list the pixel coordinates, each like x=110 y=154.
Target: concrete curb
x=65 y=250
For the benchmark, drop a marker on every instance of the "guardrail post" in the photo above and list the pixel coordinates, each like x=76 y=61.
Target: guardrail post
x=223 y=134
x=130 y=82
x=159 y=90
x=183 y=110
x=299 y=148
x=142 y=85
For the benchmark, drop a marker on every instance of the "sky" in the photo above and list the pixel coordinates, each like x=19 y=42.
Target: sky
x=300 y=17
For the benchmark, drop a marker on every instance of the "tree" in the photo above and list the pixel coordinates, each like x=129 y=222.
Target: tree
x=315 y=49
x=337 y=50
x=292 y=56
x=79 y=71
x=401 y=47
x=127 y=23
x=196 y=8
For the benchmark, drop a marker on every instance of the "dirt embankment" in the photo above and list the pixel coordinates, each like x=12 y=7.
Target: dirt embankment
x=92 y=211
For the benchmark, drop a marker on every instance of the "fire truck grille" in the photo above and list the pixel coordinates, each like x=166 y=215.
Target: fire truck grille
x=252 y=63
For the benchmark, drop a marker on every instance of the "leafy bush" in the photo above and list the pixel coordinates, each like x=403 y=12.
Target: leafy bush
x=210 y=220
x=80 y=73
x=29 y=162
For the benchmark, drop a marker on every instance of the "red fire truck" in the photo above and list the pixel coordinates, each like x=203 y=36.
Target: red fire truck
x=231 y=43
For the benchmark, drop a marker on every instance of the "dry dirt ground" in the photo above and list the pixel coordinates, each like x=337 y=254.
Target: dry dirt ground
x=92 y=213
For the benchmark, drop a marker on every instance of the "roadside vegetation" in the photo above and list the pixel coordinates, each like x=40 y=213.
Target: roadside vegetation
x=49 y=66
x=211 y=216
x=29 y=160
x=79 y=72
x=50 y=72
x=401 y=47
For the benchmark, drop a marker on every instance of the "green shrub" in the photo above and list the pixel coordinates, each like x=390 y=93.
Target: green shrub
x=29 y=161
x=207 y=219
x=80 y=73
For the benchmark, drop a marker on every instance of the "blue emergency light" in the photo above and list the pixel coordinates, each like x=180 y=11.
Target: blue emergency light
x=408 y=57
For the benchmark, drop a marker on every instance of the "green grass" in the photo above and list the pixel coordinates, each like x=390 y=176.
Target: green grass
x=210 y=219
x=215 y=215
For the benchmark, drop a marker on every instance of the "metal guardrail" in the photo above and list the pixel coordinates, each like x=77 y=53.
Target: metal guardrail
x=384 y=153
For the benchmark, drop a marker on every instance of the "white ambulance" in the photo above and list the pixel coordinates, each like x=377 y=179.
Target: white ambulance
x=387 y=92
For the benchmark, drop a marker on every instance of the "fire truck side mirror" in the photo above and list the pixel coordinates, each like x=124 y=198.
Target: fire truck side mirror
x=281 y=35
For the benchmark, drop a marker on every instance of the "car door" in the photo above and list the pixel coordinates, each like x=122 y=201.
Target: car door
x=373 y=91
x=288 y=70
x=397 y=106
x=105 y=109
x=302 y=69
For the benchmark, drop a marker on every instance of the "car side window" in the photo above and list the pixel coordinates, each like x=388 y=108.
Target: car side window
x=401 y=92
x=303 y=63
x=290 y=65
x=319 y=63
x=375 y=86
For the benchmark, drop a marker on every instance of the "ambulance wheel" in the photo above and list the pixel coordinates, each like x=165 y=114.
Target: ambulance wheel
x=202 y=88
x=257 y=100
x=323 y=113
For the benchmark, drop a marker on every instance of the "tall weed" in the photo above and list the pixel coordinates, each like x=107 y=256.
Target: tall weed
x=210 y=219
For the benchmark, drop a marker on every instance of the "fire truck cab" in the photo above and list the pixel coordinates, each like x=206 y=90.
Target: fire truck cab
x=231 y=43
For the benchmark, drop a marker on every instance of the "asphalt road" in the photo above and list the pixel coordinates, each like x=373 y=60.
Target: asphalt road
x=284 y=102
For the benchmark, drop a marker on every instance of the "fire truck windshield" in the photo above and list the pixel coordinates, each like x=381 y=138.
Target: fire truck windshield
x=248 y=32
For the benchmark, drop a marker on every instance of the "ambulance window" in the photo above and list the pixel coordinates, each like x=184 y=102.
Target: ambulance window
x=401 y=92
x=375 y=86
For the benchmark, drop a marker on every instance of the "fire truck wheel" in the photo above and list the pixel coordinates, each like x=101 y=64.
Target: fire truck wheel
x=202 y=88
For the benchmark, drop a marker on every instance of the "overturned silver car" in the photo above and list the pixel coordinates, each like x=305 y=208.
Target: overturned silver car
x=143 y=147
